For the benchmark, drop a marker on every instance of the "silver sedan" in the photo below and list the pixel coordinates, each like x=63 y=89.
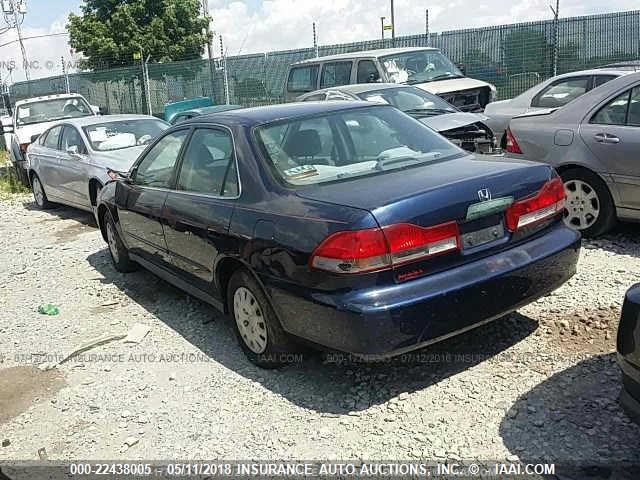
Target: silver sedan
x=593 y=142
x=70 y=162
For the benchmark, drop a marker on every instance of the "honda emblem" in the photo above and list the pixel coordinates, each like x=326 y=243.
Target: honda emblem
x=484 y=194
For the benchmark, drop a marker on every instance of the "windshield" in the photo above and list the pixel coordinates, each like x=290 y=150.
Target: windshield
x=52 y=110
x=420 y=66
x=352 y=143
x=123 y=134
x=409 y=99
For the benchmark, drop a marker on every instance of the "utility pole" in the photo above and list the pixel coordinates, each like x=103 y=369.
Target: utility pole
x=66 y=75
x=224 y=67
x=14 y=12
x=205 y=11
x=556 y=13
x=393 y=24
x=315 y=41
x=382 y=26
x=426 y=24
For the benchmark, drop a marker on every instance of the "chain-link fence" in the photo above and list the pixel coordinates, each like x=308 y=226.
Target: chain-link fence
x=512 y=57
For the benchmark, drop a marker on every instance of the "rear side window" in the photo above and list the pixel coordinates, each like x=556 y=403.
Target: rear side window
x=367 y=72
x=561 y=92
x=336 y=74
x=52 y=138
x=303 y=79
x=614 y=112
x=315 y=98
x=208 y=165
x=602 y=79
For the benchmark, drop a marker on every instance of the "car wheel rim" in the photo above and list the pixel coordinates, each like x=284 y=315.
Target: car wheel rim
x=37 y=191
x=582 y=206
x=250 y=320
x=111 y=240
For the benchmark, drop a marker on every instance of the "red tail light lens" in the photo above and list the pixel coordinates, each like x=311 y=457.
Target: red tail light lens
x=512 y=146
x=359 y=251
x=408 y=242
x=23 y=147
x=546 y=203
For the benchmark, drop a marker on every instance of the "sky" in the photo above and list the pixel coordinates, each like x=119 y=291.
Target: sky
x=250 y=26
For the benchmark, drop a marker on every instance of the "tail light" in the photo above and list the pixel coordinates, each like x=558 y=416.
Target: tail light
x=546 y=203
x=23 y=147
x=359 y=251
x=511 y=145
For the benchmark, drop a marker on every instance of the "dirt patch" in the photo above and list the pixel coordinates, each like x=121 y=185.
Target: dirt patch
x=71 y=232
x=22 y=386
x=586 y=330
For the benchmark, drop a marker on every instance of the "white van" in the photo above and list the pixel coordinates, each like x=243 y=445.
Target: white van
x=424 y=67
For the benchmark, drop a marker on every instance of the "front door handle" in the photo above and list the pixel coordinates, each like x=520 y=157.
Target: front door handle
x=609 y=138
x=600 y=137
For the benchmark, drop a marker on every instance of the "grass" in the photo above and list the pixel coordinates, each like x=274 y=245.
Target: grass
x=9 y=181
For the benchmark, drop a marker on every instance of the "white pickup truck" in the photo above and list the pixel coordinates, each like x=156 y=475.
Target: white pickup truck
x=33 y=116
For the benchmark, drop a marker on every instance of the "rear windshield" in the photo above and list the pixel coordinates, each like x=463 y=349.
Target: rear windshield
x=123 y=133
x=350 y=143
x=52 y=110
x=303 y=79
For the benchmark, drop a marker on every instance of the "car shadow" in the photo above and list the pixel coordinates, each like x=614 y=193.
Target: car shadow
x=324 y=382
x=63 y=212
x=624 y=239
x=575 y=420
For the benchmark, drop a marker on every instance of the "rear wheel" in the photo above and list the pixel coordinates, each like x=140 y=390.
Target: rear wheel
x=119 y=253
x=589 y=207
x=259 y=332
x=39 y=194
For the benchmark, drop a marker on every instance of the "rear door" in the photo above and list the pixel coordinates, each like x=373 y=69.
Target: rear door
x=48 y=159
x=140 y=201
x=198 y=212
x=335 y=74
x=613 y=136
x=72 y=165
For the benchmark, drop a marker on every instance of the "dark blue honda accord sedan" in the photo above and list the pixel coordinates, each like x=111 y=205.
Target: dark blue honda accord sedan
x=344 y=225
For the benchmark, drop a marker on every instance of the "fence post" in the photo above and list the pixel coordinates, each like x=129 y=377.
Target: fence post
x=556 y=12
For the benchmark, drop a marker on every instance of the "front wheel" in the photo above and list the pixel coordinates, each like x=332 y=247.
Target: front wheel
x=39 y=194
x=589 y=207
x=259 y=332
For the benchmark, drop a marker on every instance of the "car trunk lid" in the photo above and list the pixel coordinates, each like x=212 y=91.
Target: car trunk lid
x=472 y=190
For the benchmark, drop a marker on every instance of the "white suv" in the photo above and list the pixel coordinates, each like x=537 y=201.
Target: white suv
x=423 y=67
x=33 y=116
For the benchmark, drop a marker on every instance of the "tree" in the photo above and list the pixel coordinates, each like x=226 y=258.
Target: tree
x=110 y=32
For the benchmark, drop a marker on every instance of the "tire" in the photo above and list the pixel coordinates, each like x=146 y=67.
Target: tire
x=39 y=195
x=589 y=207
x=117 y=250
x=257 y=327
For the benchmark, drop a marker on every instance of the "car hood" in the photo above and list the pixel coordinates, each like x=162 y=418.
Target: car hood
x=118 y=160
x=449 y=121
x=25 y=132
x=451 y=85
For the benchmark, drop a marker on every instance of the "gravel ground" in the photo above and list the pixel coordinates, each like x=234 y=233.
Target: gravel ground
x=541 y=384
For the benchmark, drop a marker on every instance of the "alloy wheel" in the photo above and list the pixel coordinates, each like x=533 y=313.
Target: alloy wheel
x=38 y=193
x=582 y=206
x=112 y=241
x=250 y=320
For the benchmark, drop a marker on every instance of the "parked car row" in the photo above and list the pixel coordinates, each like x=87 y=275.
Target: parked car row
x=356 y=225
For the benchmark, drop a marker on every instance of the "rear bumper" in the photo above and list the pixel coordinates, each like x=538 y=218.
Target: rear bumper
x=394 y=319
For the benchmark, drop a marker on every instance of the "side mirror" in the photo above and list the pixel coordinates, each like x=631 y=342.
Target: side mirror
x=373 y=78
x=120 y=176
x=34 y=138
x=74 y=152
x=462 y=68
x=103 y=110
